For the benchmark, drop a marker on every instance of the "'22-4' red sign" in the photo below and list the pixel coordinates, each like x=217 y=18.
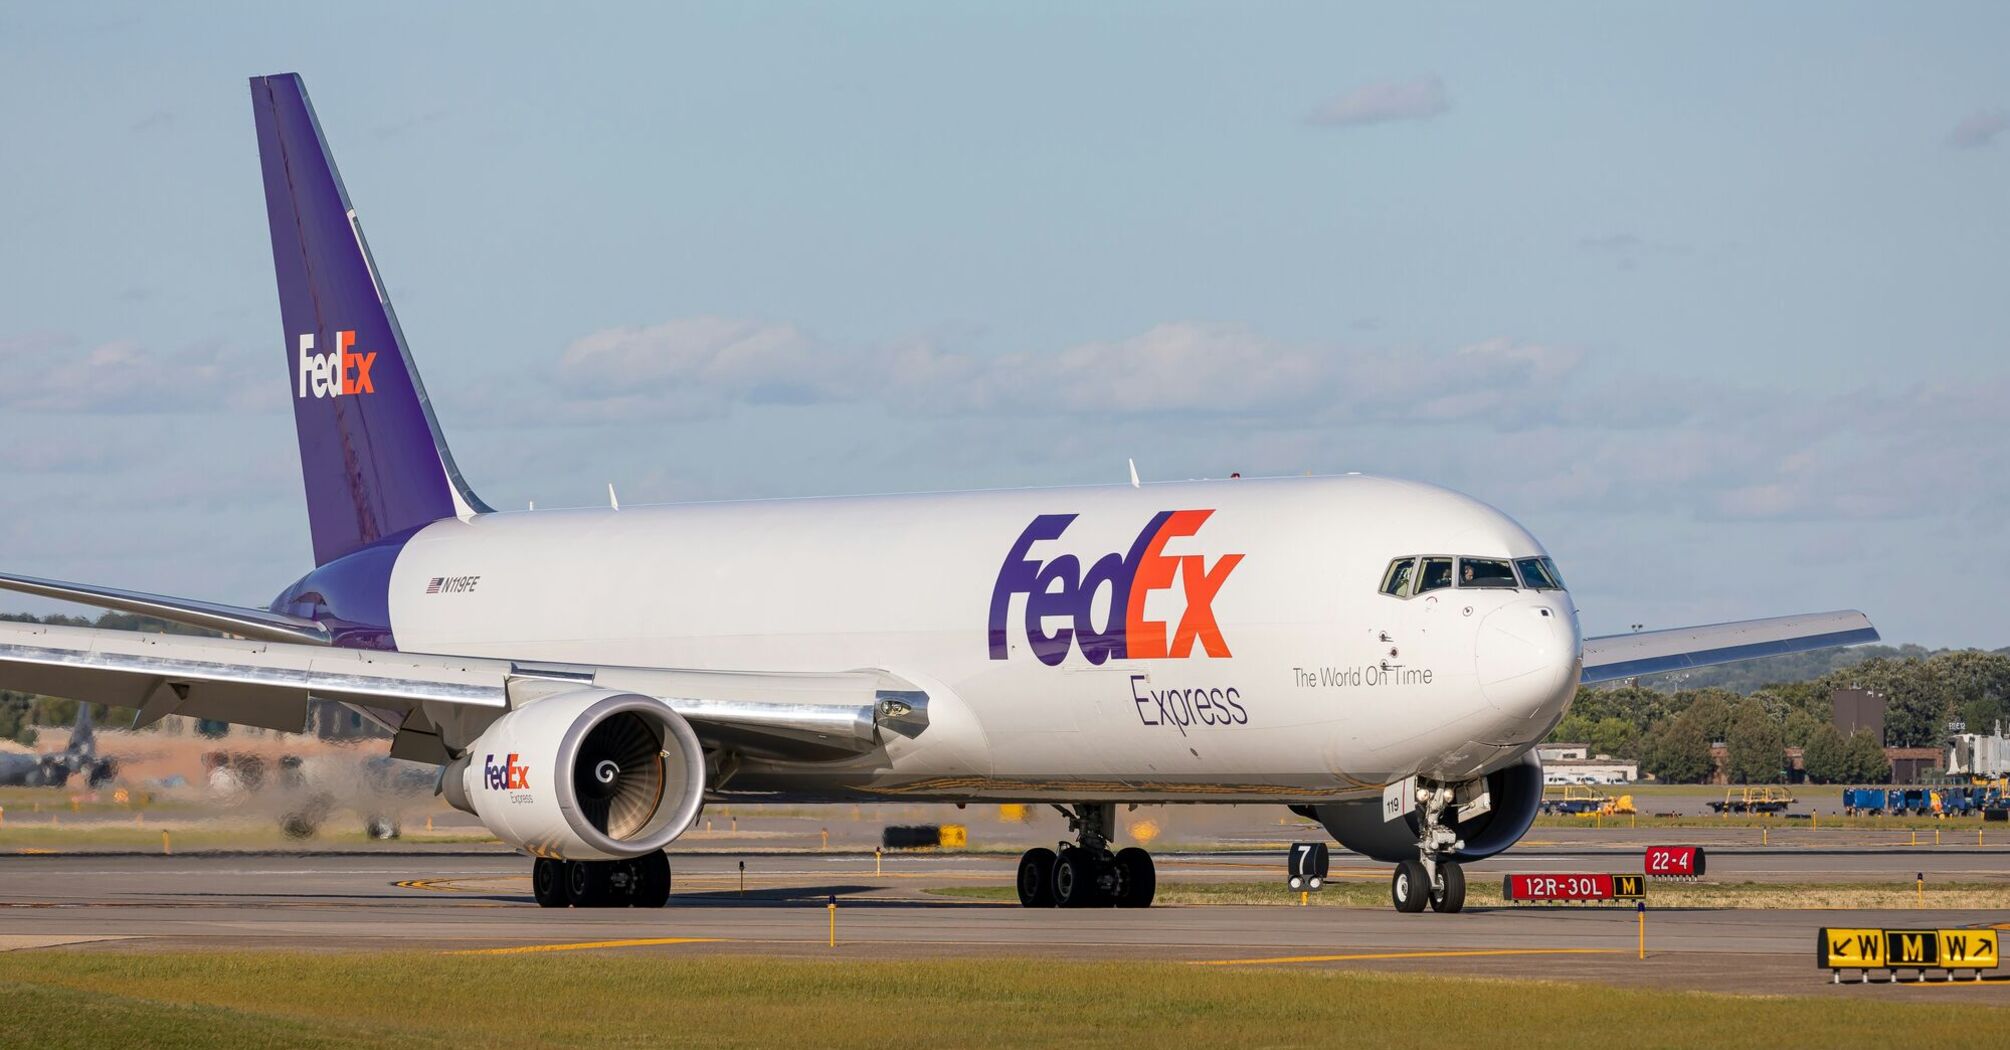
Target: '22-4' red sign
x=1674 y=862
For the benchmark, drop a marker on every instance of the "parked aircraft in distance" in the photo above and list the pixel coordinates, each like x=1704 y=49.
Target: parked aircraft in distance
x=1381 y=655
x=79 y=758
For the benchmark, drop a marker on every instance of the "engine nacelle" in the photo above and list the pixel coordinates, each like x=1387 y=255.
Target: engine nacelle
x=1516 y=794
x=590 y=774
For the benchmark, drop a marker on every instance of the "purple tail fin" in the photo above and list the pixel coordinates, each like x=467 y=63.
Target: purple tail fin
x=374 y=461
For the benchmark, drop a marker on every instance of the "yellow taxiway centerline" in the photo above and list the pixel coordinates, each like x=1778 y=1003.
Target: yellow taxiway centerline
x=1369 y=956
x=636 y=942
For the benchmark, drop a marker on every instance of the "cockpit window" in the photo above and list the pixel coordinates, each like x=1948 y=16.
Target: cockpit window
x=1397 y=581
x=1538 y=575
x=1486 y=572
x=1437 y=574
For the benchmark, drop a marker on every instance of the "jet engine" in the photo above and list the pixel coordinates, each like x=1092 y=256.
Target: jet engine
x=590 y=774
x=1514 y=794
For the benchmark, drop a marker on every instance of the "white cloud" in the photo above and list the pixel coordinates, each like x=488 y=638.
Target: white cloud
x=1527 y=424
x=58 y=374
x=690 y=366
x=700 y=366
x=1419 y=99
x=1979 y=128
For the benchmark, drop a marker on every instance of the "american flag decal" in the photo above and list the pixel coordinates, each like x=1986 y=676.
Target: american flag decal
x=434 y=587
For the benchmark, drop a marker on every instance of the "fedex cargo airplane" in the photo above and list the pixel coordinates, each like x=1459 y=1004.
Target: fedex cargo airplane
x=1379 y=655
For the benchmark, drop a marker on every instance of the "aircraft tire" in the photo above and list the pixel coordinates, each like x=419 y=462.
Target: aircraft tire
x=1407 y=887
x=652 y=880
x=1075 y=879
x=586 y=884
x=1450 y=894
x=547 y=882
x=1137 y=877
x=1036 y=878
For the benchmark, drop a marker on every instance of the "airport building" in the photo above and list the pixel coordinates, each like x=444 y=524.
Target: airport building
x=1573 y=763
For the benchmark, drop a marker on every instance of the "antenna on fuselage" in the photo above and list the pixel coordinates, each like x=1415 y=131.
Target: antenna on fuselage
x=613 y=501
x=1134 y=472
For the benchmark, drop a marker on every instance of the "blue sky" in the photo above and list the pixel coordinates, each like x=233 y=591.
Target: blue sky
x=1711 y=299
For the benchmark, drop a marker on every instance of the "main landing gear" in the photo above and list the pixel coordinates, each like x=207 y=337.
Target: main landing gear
x=1085 y=873
x=641 y=882
x=1433 y=878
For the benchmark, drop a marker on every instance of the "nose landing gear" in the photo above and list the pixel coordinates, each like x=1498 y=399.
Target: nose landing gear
x=1433 y=878
x=1085 y=873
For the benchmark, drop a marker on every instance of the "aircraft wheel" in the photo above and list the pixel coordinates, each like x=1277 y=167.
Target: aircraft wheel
x=586 y=884
x=547 y=882
x=1408 y=888
x=1075 y=879
x=1450 y=893
x=1036 y=878
x=1137 y=878
x=652 y=885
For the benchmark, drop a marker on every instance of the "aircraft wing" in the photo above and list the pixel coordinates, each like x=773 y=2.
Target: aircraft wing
x=433 y=700
x=1617 y=656
x=231 y=619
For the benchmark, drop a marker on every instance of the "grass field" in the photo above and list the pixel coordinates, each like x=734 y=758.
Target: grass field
x=18 y=837
x=1827 y=794
x=1963 y=828
x=1374 y=893
x=24 y=800
x=95 y=999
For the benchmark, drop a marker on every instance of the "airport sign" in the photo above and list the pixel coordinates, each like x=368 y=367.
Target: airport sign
x=1856 y=948
x=1673 y=862
x=1597 y=886
x=1307 y=866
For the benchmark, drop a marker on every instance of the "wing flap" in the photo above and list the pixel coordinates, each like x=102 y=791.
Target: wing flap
x=1613 y=657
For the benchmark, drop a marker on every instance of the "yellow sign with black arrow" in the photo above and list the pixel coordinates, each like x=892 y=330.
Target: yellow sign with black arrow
x=1861 y=949
x=1968 y=949
x=1852 y=949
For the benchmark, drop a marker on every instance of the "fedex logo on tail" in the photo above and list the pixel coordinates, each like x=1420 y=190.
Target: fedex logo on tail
x=1058 y=589
x=338 y=373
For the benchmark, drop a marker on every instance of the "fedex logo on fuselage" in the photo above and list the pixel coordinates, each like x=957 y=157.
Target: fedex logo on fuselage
x=338 y=373
x=1058 y=589
x=511 y=775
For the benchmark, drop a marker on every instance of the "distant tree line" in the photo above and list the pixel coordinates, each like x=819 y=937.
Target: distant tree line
x=1670 y=733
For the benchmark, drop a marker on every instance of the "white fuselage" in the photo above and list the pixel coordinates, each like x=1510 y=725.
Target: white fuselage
x=1282 y=674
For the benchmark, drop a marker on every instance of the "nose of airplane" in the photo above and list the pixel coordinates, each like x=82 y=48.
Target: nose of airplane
x=1528 y=657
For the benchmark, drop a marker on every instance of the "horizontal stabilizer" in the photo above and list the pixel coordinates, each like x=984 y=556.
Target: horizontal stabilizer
x=229 y=619
x=1618 y=656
